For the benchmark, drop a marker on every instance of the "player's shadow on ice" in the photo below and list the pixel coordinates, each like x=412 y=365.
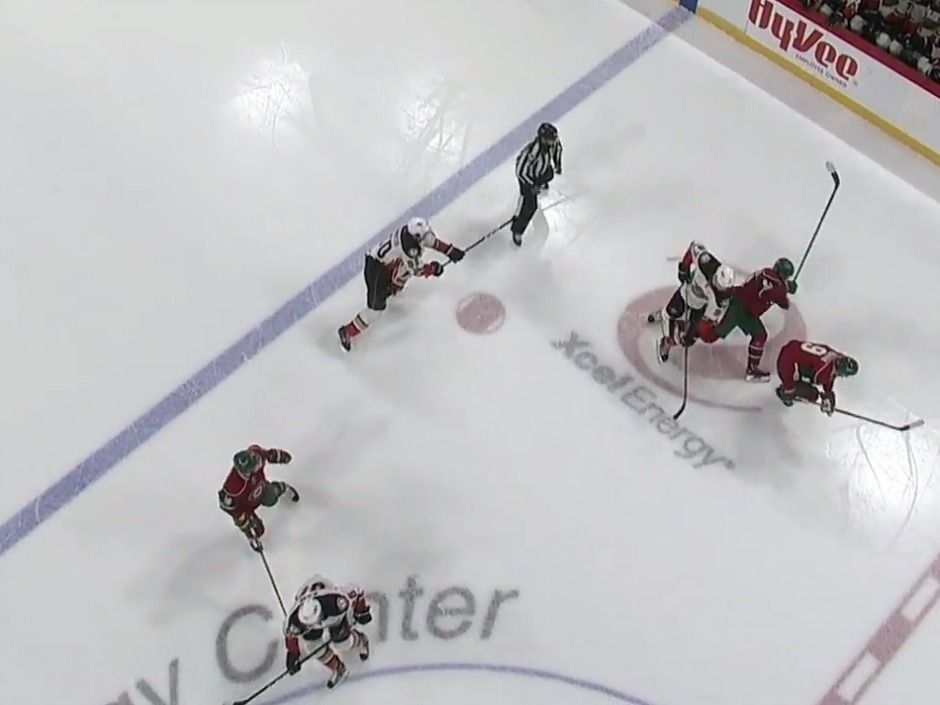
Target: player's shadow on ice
x=191 y=573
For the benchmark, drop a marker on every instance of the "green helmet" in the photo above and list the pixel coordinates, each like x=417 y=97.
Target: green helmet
x=846 y=366
x=784 y=267
x=246 y=461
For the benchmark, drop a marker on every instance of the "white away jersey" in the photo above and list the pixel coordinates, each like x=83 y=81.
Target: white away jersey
x=391 y=253
x=699 y=292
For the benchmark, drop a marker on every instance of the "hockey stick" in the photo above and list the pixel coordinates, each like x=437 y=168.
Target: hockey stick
x=267 y=568
x=831 y=168
x=904 y=428
x=274 y=680
x=491 y=233
x=481 y=240
x=685 y=364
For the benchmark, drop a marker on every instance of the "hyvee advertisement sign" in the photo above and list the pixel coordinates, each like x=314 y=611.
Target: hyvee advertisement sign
x=779 y=27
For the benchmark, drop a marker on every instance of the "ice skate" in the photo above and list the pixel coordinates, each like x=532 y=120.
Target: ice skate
x=292 y=494
x=364 y=649
x=344 y=338
x=338 y=676
x=755 y=374
x=662 y=350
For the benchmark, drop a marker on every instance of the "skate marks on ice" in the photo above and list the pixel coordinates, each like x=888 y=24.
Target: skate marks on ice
x=489 y=673
x=174 y=404
x=885 y=478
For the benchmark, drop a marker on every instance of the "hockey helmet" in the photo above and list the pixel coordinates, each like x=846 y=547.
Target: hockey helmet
x=846 y=366
x=412 y=236
x=419 y=227
x=784 y=267
x=309 y=612
x=548 y=133
x=246 y=461
x=724 y=277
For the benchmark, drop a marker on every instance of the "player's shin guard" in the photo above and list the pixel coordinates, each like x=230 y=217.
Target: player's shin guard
x=357 y=326
x=363 y=645
x=755 y=352
x=356 y=641
x=337 y=667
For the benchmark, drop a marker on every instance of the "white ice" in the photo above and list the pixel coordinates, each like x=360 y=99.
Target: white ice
x=171 y=173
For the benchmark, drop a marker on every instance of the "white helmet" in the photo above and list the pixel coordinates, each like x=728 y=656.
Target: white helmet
x=309 y=612
x=724 y=277
x=311 y=587
x=418 y=227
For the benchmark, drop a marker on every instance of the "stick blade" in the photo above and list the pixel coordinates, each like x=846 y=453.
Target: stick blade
x=913 y=425
x=831 y=168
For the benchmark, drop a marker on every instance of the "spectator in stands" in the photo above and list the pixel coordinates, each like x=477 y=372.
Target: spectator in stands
x=906 y=29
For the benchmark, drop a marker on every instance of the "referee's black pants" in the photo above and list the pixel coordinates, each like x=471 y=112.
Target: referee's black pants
x=525 y=209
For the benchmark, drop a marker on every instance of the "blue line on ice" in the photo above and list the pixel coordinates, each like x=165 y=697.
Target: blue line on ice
x=531 y=673
x=96 y=465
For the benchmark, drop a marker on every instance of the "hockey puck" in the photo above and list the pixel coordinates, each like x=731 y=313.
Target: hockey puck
x=481 y=313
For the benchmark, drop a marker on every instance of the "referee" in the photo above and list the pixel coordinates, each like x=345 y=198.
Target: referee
x=536 y=166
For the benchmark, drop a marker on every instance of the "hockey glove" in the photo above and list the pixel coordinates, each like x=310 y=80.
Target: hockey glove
x=455 y=254
x=256 y=545
x=828 y=405
x=252 y=526
x=293 y=662
x=362 y=613
x=432 y=269
x=787 y=397
x=685 y=275
x=278 y=456
x=791 y=286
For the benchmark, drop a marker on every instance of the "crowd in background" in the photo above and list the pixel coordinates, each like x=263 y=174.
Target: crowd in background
x=907 y=30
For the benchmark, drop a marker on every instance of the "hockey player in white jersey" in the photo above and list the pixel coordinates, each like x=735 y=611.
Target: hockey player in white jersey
x=704 y=291
x=389 y=266
x=323 y=624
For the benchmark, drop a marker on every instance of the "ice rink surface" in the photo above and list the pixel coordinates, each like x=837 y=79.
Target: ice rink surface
x=532 y=524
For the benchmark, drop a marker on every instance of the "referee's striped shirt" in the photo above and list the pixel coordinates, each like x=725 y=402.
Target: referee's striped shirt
x=535 y=159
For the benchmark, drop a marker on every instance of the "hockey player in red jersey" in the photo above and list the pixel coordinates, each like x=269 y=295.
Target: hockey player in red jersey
x=808 y=371
x=323 y=624
x=750 y=301
x=246 y=488
x=389 y=266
